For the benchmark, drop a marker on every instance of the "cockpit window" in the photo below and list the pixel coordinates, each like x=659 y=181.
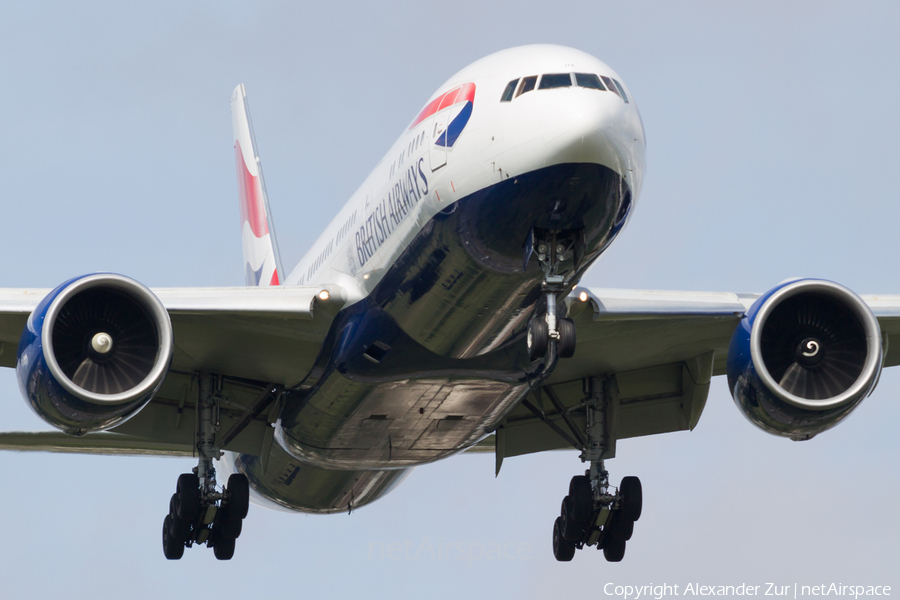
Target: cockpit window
x=610 y=85
x=517 y=87
x=589 y=80
x=509 y=91
x=527 y=85
x=555 y=80
x=621 y=91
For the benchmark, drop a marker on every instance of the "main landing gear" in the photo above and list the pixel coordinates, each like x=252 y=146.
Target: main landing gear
x=198 y=512
x=592 y=514
x=548 y=332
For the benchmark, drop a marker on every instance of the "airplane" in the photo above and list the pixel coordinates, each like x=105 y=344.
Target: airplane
x=440 y=312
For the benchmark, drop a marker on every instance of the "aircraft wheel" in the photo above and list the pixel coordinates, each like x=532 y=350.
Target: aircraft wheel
x=181 y=529
x=563 y=550
x=229 y=524
x=572 y=529
x=173 y=548
x=566 y=338
x=632 y=498
x=582 y=498
x=187 y=496
x=537 y=338
x=626 y=529
x=614 y=548
x=620 y=526
x=224 y=548
x=239 y=495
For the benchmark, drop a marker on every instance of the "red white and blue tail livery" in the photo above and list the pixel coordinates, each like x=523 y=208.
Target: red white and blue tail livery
x=261 y=263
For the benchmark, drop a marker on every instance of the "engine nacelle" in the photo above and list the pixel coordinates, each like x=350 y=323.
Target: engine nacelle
x=94 y=352
x=803 y=357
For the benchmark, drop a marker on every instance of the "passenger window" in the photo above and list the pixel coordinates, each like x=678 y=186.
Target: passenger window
x=621 y=90
x=610 y=85
x=555 y=80
x=589 y=80
x=509 y=91
x=527 y=85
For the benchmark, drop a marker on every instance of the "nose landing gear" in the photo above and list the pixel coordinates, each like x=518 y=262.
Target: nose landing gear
x=543 y=331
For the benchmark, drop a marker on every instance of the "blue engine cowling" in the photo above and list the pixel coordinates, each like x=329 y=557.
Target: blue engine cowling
x=94 y=352
x=803 y=357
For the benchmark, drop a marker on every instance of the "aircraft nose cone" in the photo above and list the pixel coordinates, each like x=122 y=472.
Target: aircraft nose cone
x=591 y=126
x=570 y=115
x=580 y=126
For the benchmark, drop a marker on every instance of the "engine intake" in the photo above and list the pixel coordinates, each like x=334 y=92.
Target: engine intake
x=94 y=352
x=804 y=357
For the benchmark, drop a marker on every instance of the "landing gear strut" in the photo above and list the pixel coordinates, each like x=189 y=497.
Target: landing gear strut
x=593 y=514
x=547 y=330
x=198 y=511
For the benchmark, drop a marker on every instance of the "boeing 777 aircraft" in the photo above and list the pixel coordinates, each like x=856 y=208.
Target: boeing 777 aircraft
x=439 y=312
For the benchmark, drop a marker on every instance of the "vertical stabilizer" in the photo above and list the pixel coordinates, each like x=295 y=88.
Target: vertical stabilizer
x=262 y=263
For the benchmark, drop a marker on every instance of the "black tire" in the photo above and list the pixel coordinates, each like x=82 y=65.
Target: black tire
x=626 y=529
x=619 y=527
x=173 y=549
x=224 y=548
x=582 y=498
x=537 y=337
x=566 y=338
x=228 y=524
x=572 y=529
x=632 y=498
x=187 y=497
x=238 y=495
x=614 y=548
x=563 y=550
x=181 y=529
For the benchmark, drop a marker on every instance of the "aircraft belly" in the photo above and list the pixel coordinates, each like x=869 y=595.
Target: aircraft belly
x=297 y=485
x=434 y=358
x=396 y=424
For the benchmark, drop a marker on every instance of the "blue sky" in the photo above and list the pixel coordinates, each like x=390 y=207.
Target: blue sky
x=772 y=147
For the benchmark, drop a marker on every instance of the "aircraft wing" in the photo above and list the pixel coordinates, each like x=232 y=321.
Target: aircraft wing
x=216 y=329
x=663 y=348
x=261 y=340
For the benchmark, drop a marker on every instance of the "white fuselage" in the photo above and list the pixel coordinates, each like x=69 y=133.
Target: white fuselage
x=503 y=139
x=431 y=254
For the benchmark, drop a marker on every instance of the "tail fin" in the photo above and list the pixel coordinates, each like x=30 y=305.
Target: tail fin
x=262 y=263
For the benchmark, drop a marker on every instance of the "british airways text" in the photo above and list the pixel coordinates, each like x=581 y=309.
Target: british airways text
x=390 y=212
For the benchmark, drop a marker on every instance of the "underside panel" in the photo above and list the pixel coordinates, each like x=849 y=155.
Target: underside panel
x=434 y=358
x=649 y=401
x=284 y=481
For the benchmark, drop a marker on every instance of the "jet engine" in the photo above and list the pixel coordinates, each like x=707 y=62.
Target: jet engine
x=94 y=352
x=803 y=357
